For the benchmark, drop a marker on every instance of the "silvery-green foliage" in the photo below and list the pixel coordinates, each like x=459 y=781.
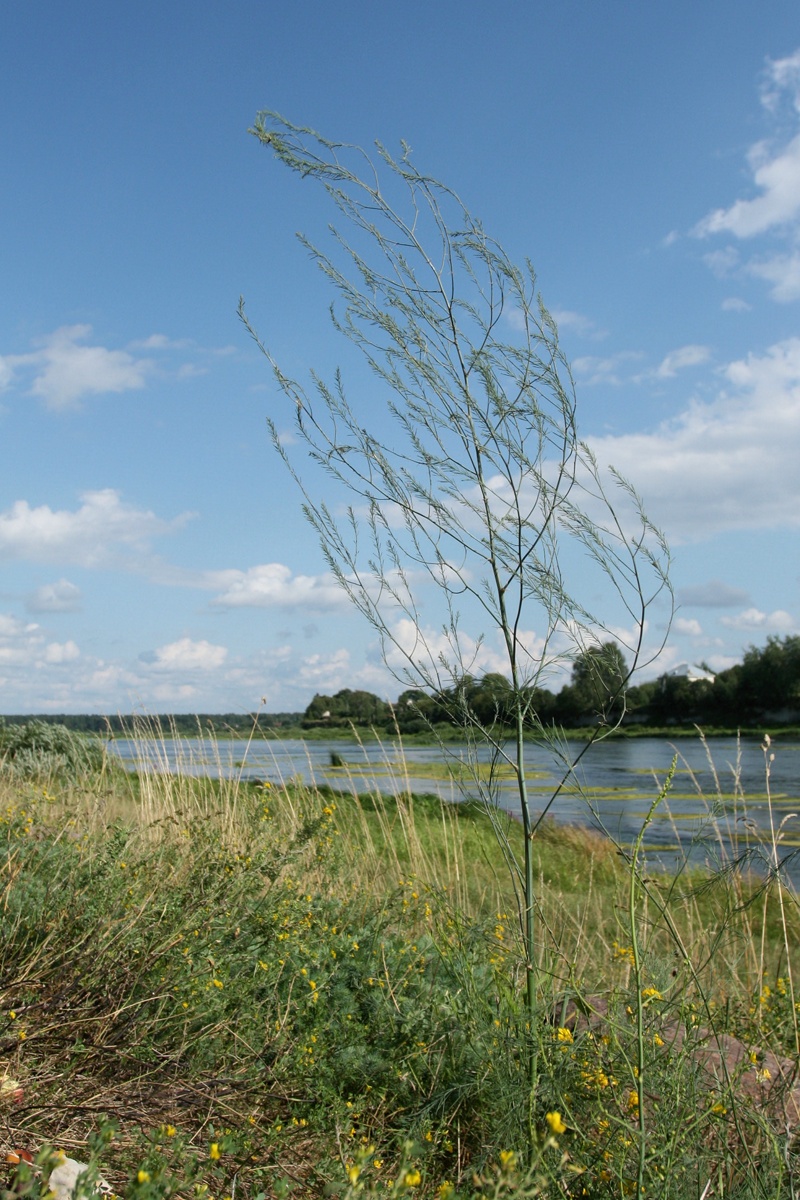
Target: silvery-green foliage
x=461 y=464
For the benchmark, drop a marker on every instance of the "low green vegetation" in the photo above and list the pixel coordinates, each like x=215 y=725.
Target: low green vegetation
x=36 y=747
x=270 y=991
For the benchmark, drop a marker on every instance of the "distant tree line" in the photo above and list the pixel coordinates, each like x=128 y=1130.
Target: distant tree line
x=185 y=724
x=765 y=685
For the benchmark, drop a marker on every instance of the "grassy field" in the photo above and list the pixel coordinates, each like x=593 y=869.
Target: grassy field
x=222 y=989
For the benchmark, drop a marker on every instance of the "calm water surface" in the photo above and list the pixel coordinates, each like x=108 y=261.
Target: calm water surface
x=717 y=808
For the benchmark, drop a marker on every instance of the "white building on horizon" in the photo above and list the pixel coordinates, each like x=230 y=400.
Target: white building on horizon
x=692 y=672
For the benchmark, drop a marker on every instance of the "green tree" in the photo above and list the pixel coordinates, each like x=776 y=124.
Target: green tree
x=464 y=469
x=347 y=707
x=599 y=676
x=769 y=678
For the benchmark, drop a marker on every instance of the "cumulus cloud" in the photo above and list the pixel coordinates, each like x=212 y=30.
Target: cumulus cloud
x=66 y=370
x=777 y=175
x=20 y=641
x=688 y=626
x=61 y=652
x=326 y=673
x=61 y=596
x=727 y=464
x=774 y=166
x=782 y=271
x=782 y=83
x=65 y=366
x=187 y=655
x=272 y=585
x=779 y=622
x=90 y=536
x=23 y=645
x=438 y=656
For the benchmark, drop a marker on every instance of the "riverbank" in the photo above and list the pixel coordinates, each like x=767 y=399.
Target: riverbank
x=300 y=984
x=261 y=727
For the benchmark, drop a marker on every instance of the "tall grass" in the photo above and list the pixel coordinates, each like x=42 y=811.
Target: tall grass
x=295 y=987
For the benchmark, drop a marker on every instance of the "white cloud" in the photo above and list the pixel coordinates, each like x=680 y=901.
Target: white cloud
x=735 y=304
x=22 y=645
x=723 y=262
x=12 y=627
x=66 y=371
x=778 y=178
x=591 y=369
x=775 y=208
x=20 y=641
x=61 y=652
x=782 y=271
x=327 y=673
x=782 y=82
x=61 y=596
x=160 y=341
x=680 y=359
x=753 y=619
x=724 y=465
x=88 y=537
x=173 y=693
x=583 y=326
x=272 y=585
x=688 y=626
x=431 y=648
x=62 y=369
x=187 y=655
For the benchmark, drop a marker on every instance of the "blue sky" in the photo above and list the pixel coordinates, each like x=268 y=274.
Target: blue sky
x=645 y=157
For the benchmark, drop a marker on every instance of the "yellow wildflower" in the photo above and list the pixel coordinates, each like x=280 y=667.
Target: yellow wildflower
x=555 y=1123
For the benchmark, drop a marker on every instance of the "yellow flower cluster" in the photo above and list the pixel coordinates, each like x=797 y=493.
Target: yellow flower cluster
x=555 y=1123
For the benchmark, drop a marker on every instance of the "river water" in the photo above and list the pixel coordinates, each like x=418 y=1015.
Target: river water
x=721 y=805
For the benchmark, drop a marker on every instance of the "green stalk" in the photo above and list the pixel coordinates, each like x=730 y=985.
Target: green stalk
x=633 y=895
x=529 y=927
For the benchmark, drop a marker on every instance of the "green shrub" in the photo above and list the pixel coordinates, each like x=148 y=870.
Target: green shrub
x=39 y=749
